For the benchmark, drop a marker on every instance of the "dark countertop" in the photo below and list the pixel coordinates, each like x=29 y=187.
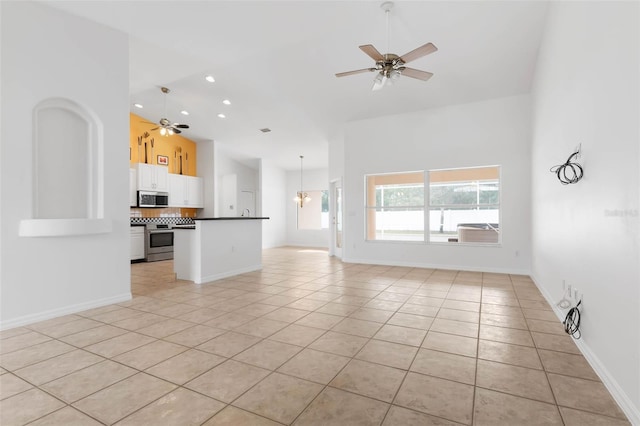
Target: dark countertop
x=137 y=224
x=183 y=227
x=230 y=218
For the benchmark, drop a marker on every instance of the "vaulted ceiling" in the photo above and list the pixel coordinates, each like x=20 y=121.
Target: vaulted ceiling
x=275 y=61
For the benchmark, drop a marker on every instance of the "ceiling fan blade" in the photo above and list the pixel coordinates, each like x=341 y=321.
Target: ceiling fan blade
x=181 y=126
x=372 y=52
x=421 y=51
x=155 y=128
x=414 y=73
x=176 y=130
x=344 y=74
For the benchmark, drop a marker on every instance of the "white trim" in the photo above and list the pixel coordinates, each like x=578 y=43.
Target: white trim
x=63 y=227
x=228 y=274
x=72 y=309
x=436 y=266
x=619 y=395
x=306 y=245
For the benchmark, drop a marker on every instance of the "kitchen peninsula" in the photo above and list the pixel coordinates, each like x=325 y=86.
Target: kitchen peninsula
x=216 y=248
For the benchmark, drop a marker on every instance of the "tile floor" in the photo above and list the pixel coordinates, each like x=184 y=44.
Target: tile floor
x=306 y=341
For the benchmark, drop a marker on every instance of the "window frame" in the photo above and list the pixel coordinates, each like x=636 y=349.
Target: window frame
x=427 y=207
x=374 y=208
x=478 y=205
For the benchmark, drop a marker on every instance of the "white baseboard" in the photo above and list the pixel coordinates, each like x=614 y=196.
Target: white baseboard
x=72 y=309
x=437 y=266
x=228 y=274
x=619 y=395
x=306 y=245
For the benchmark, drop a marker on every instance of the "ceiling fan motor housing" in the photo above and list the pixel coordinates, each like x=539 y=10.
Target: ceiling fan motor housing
x=390 y=63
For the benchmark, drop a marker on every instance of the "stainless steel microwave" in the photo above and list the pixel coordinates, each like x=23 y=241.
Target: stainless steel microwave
x=153 y=199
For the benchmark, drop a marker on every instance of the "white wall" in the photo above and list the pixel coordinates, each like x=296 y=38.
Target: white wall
x=246 y=180
x=336 y=156
x=336 y=173
x=88 y=64
x=587 y=91
x=206 y=171
x=313 y=180
x=273 y=181
x=494 y=132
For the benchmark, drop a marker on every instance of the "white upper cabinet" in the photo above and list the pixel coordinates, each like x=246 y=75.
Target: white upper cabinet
x=177 y=196
x=185 y=191
x=195 y=187
x=152 y=178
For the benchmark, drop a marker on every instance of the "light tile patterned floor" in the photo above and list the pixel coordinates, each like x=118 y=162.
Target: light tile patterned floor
x=306 y=341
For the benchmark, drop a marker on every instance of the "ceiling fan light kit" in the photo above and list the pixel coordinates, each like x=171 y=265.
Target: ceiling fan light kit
x=390 y=67
x=168 y=128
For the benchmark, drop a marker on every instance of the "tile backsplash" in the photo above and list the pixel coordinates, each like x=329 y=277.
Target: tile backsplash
x=161 y=220
x=172 y=212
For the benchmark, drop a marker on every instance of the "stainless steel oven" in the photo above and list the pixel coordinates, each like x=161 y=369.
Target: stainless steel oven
x=158 y=242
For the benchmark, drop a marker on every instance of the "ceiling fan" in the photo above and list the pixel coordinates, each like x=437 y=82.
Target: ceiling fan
x=391 y=66
x=167 y=128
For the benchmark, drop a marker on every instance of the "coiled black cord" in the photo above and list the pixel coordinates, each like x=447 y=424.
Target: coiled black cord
x=572 y=321
x=569 y=172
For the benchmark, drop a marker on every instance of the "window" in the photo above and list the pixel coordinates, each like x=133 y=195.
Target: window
x=315 y=213
x=464 y=205
x=324 y=210
x=395 y=206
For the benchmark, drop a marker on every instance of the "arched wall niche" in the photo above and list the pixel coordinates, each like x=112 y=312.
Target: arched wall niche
x=68 y=171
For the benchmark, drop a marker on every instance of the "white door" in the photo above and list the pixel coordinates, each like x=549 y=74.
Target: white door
x=336 y=218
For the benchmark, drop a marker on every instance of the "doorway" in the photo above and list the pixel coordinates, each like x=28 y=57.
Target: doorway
x=247 y=204
x=336 y=201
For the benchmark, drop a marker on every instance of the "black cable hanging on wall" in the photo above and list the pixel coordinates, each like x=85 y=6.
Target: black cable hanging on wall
x=571 y=322
x=569 y=172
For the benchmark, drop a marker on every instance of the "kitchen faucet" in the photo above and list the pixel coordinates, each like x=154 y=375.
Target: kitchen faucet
x=248 y=212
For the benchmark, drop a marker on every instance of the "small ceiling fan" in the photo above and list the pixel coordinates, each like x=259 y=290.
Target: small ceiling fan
x=391 y=66
x=167 y=128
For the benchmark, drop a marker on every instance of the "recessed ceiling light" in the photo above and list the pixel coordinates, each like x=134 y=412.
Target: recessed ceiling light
x=137 y=105
x=226 y=102
x=209 y=78
x=221 y=115
x=183 y=112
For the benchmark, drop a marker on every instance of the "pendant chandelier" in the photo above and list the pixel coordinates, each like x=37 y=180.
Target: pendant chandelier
x=301 y=197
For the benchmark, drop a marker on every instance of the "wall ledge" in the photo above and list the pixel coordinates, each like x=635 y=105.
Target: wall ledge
x=63 y=227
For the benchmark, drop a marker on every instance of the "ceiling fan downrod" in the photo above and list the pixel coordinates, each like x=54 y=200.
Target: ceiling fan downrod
x=387 y=6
